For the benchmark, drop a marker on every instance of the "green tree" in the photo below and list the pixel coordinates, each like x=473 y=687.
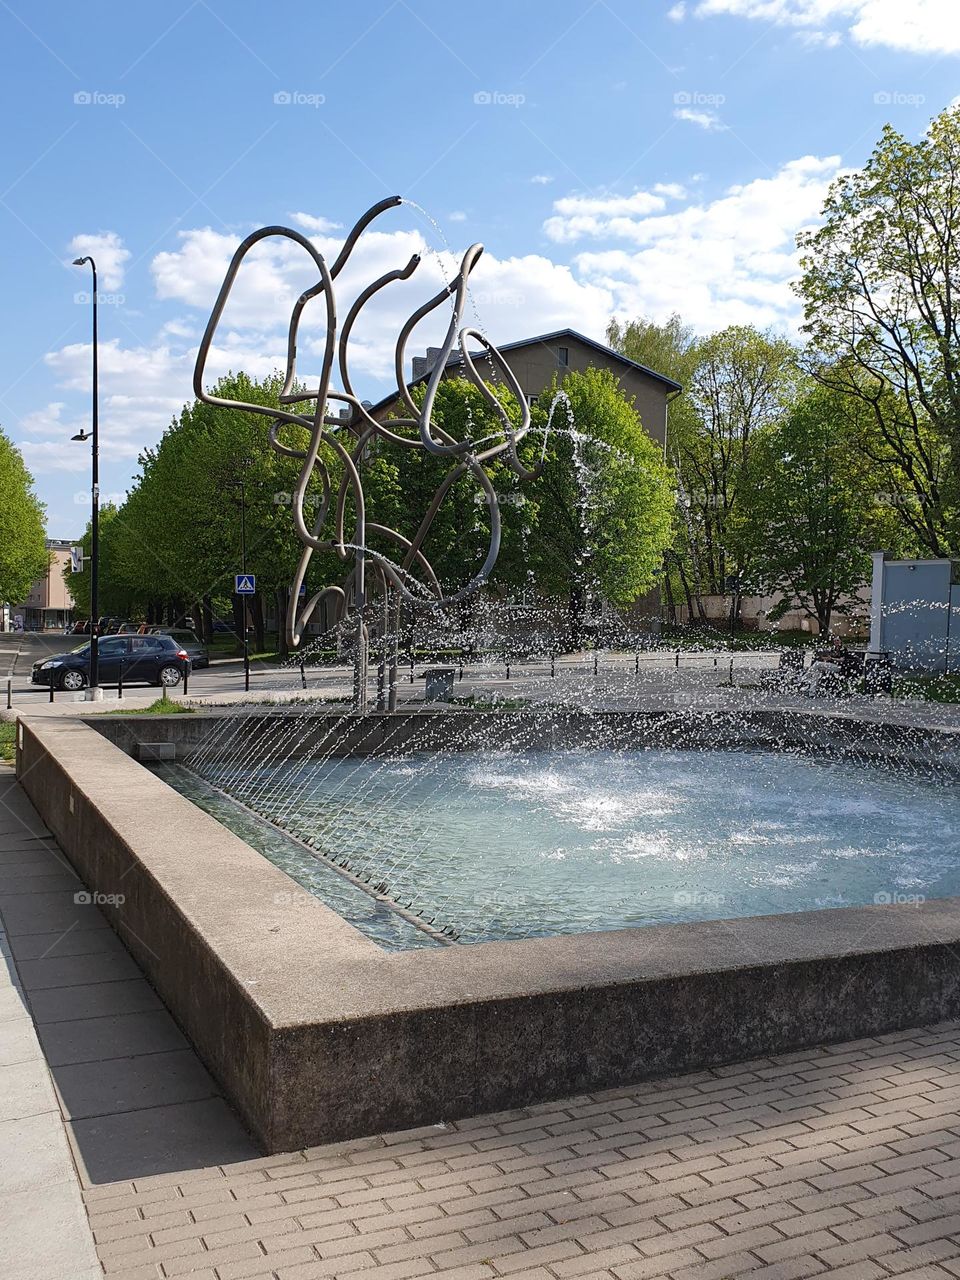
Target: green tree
x=742 y=382
x=115 y=595
x=178 y=533
x=880 y=284
x=814 y=512
x=604 y=504
x=23 y=550
x=671 y=349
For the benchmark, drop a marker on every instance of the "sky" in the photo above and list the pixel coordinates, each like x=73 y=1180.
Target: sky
x=619 y=158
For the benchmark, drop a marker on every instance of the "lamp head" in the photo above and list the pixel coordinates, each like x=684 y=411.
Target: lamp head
x=82 y=435
x=81 y=262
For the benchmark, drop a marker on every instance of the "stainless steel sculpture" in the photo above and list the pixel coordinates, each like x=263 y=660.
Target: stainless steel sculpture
x=409 y=576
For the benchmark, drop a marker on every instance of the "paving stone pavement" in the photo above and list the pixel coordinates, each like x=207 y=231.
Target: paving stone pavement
x=841 y=1160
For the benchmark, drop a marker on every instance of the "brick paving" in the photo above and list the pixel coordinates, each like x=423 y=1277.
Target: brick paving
x=840 y=1161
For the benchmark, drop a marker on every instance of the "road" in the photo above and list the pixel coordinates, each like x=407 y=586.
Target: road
x=605 y=679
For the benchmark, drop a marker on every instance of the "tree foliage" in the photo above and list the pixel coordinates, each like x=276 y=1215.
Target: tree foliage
x=23 y=550
x=880 y=286
x=814 y=512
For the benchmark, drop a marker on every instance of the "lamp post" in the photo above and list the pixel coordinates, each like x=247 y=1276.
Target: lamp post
x=94 y=692
x=239 y=482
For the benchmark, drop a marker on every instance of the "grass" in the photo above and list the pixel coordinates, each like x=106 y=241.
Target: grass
x=162 y=707
x=8 y=735
x=928 y=688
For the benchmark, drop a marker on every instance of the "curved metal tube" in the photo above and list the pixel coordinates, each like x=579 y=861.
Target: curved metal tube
x=468 y=456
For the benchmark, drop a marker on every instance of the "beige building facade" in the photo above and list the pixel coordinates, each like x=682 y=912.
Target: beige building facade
x=536 y=361
x=49 y=606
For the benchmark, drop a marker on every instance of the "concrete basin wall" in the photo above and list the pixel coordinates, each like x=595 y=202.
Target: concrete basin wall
x=317 y=1035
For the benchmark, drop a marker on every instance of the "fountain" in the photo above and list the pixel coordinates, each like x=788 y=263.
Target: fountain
x=585 y=867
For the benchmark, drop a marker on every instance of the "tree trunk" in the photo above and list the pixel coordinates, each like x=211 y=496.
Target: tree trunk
x=239 y=615
x=282 y=596
x=206 y=619
x=668 y=599
x=258 y=628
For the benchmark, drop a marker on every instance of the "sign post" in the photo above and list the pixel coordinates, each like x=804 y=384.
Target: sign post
x=245 y=584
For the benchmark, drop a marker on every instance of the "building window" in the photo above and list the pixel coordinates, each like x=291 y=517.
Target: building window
x=531 y=401
x=563 y=356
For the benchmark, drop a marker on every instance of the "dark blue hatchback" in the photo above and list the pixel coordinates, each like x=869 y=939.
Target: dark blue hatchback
x=140 y=659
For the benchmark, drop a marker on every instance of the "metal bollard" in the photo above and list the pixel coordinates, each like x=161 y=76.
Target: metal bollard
x=303 y=673
x=9 y=692
x=596 y=661
x=636 y=665
x=120 y=684
x=678 y=659
x=186 y=677
x=411 y=670
x=553 y=665
x=731 y=671
x=51 y=686
x=508 y=670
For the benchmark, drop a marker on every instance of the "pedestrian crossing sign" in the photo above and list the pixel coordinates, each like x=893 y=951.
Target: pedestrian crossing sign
x=246 y=584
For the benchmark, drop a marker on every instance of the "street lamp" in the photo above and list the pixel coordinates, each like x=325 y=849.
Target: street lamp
x=94 y=692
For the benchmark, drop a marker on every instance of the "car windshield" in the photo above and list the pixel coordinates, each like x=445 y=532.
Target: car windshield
x=81 y=648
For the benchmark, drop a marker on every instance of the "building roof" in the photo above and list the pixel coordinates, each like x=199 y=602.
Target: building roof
x=542 y=339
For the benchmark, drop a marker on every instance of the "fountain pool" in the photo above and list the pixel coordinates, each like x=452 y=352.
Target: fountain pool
x=497 y=846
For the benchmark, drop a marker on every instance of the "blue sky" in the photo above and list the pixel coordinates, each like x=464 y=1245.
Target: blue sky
x=614 y=158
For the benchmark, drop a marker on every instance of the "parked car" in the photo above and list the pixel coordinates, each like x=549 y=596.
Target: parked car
x=223 y=628
x=141 y=660
x=187 y=640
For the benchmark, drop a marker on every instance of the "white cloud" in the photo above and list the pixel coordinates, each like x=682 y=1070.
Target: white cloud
x=319 y=226
x=721 y=262
x=458 y=216
x=107 y=250
x=678 y=12
x=708 y=120
x=921 y=26
x=541 y=179
x=652 y=252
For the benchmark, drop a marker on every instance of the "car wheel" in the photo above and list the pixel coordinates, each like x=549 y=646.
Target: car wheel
x=73 y=680
x=170 y=677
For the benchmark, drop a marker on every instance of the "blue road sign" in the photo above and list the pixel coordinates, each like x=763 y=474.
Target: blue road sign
x=246 y=584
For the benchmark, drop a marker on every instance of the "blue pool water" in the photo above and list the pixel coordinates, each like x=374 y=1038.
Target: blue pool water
x=538 y=843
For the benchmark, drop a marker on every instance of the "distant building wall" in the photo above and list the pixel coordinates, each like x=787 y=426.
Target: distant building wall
x=755 y=615
x=49 y=605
